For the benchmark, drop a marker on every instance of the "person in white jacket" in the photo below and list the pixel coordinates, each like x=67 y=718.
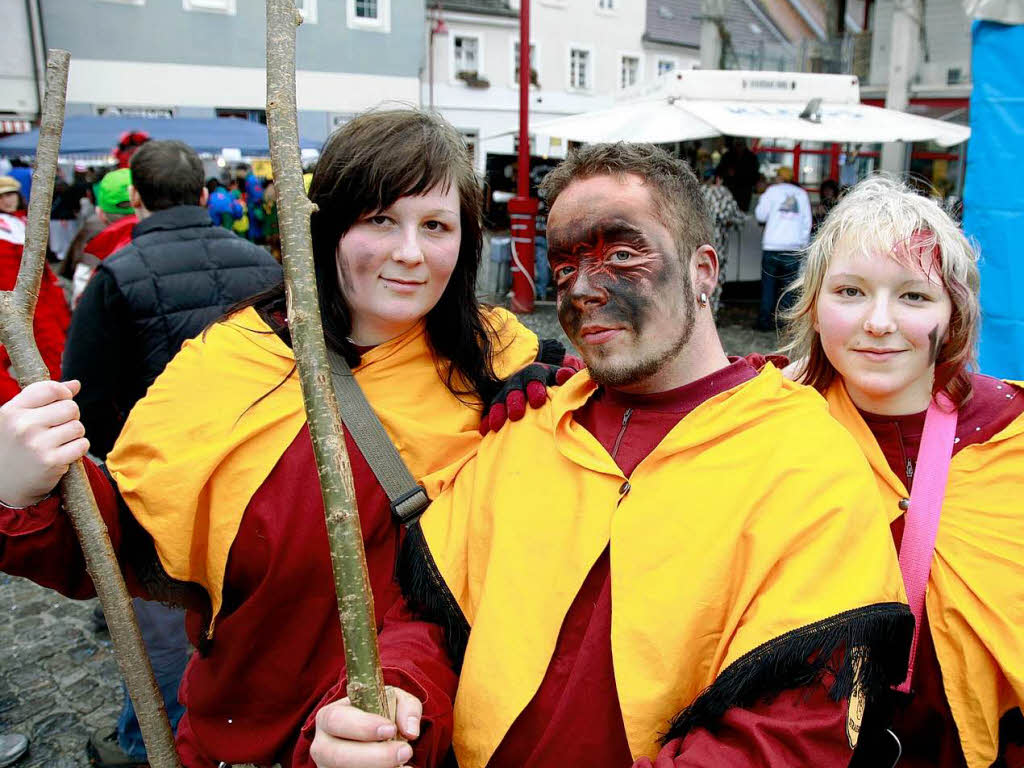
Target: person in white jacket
x=785 y=211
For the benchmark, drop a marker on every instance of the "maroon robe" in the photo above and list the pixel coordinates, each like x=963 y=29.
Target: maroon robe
x=574 y=719
x=276 y=656
x=923 y=721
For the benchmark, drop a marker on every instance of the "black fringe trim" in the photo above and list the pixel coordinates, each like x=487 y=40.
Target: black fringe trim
x=428 y=594
x=801 y=657
x=550 y=352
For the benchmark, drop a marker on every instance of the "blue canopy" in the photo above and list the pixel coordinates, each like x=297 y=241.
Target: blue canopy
x=993 y=196
x=89 y=135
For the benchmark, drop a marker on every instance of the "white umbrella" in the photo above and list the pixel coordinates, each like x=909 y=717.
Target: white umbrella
x=825 y=122
x=656 y=121
x=698 y=104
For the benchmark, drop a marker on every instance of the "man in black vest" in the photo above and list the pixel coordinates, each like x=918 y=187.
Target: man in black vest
x=178 y=275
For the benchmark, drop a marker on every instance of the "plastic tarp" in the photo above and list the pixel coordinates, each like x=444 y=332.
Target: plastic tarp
x=994 y=195
x=89 y=135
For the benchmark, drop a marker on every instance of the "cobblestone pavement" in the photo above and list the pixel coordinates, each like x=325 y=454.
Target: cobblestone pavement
x=58 y=676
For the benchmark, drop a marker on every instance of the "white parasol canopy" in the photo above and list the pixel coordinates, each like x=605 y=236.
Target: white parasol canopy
x=695 y=104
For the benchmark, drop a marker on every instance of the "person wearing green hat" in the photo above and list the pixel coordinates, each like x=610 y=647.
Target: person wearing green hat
x=116 y=217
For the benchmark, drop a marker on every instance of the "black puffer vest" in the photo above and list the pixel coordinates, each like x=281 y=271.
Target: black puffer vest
x=179 y=274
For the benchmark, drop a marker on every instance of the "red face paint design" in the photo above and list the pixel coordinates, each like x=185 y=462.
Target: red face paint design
x=613 y=260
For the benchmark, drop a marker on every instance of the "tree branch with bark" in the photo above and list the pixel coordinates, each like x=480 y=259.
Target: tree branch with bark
x=351 y=580
x=17 y=308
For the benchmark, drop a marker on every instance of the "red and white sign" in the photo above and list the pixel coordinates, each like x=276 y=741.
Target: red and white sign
x=15 y=126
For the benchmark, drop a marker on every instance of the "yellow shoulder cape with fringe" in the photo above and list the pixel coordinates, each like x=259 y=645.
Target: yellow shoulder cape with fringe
x=213 y=425
x=749 y=541
x=975 y=598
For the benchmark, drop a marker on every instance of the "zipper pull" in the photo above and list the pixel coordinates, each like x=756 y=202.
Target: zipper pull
x=910 y=470
x=626 y=415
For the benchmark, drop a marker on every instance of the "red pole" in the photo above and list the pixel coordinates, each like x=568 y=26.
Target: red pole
x=796 y=164
x=522 y=208
x=833 y=169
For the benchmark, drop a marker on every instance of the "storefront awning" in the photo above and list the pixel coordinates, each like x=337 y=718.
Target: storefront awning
x=90 y=135
x=771 y=105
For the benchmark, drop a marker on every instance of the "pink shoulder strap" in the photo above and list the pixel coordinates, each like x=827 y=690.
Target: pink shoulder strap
x=922 y=520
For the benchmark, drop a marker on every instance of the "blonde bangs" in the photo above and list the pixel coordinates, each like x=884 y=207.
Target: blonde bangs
x=882 y=216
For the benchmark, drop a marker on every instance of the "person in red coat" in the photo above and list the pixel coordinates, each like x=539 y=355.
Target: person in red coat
x=52 y=316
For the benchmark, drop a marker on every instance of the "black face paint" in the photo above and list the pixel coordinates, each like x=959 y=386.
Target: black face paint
x=933 y=345
x=618 y=259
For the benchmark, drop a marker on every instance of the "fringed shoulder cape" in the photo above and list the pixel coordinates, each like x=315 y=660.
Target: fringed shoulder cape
x=747 y=550
x=211 y=428
x=975 y=598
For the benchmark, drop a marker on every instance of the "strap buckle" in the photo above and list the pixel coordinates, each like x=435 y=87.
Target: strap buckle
x=408 y=507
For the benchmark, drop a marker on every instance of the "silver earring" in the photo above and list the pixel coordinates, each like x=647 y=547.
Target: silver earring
x=703 y=299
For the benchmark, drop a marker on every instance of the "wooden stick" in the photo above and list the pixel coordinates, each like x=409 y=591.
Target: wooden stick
x=16 y=311
x=351 y=581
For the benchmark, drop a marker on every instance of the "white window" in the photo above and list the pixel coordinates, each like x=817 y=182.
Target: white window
x=369 y=14
x=308 y=10
x=629 y=71
x=581 y=76
x=367 y=9
x=666 y=65
x=606 y=5
x=535 y=75
x=466 y=53
x=216 y=6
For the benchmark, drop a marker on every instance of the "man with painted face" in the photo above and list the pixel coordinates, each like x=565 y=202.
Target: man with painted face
x=679 y=557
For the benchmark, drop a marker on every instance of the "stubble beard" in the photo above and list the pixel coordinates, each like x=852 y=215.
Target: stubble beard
x=616 y=374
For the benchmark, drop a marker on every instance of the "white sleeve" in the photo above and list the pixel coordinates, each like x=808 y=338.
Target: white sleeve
x=764 y=205
x=805 y=216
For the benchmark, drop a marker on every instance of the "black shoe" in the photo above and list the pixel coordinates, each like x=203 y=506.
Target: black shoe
x=105 y=752
x=99 y=620
x=12 y=747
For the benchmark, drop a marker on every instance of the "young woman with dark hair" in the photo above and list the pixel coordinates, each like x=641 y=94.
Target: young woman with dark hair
x=213 y=498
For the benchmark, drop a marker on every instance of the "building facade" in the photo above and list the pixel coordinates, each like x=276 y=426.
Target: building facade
x=206 y=58
x=583 y=53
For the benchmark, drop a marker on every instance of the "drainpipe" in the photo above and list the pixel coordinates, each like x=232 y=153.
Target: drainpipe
x=38 y=41
x=904 y=54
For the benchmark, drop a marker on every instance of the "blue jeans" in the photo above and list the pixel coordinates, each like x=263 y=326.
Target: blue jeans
x=163 y=631
x=778 y=270
x=541 y=268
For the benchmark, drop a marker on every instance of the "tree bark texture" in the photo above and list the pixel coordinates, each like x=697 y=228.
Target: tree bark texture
x=351 y=581
x=16 y=334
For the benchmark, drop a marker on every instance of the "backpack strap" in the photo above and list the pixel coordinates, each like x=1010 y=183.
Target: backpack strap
x=922 y=519
x=408 y=499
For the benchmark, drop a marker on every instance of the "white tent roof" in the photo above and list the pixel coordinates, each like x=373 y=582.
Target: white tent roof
x=695 y=104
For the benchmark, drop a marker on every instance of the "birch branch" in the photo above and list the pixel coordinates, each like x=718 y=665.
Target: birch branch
x=351 y=581
x=16 y=334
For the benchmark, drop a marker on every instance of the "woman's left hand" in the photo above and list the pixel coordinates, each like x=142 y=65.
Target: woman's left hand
x=347 y=737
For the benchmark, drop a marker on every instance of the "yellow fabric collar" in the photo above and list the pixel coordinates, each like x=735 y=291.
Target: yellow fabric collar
x=975 y=600
x=216 y=422
x=728 y=535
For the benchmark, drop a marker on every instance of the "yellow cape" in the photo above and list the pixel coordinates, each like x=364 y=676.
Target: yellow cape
x=201 y=442
x=975 y=598
x=755 y=517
